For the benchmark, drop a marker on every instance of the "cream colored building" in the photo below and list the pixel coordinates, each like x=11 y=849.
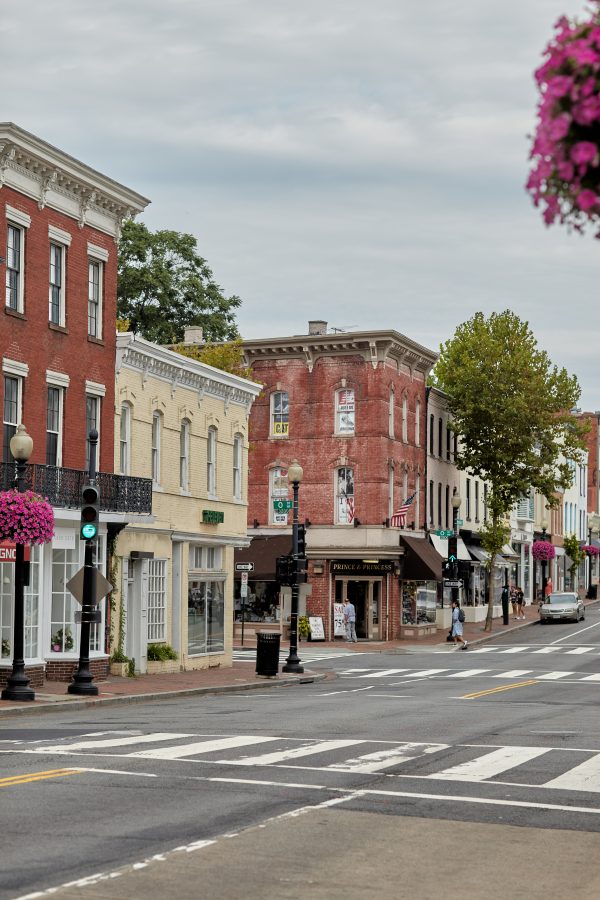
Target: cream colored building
x=185 y=425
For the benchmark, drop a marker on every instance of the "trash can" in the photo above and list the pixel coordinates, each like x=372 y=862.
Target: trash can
x=267 y=653
x=592 y=593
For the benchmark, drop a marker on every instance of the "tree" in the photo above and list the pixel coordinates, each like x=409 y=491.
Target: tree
x=510 y=409
x=164 y=285
x=228 y=356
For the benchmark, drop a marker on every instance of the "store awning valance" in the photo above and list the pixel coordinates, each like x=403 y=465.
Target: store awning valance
x=441 y=545
x=478 y=553
x=509 y=553
x=422 y=562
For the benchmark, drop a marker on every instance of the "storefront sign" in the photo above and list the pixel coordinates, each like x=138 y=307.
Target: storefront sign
x=8 y=552
x=317 y=632
x=212 y=517
x=362 y=567
x=63 y=539
x=339 y=628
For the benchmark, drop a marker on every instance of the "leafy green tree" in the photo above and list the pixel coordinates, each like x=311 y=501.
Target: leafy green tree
x=511 y=410
x=228 y=356
x=573 y=551
x=164 y=285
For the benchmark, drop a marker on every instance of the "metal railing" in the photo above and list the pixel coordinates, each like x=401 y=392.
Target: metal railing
x=62 y=487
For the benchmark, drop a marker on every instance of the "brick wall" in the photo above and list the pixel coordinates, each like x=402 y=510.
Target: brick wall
x=29 y=337
x=34 y=673
x=63 y=670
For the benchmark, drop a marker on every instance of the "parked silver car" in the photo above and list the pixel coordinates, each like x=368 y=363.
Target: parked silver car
x=562 y=605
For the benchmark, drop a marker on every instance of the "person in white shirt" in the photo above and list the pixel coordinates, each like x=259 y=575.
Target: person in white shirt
x=350 y=622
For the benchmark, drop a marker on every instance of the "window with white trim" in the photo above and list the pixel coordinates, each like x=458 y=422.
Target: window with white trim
x=279 y=414
x=418 y=423
x=156 y=438
x=211 y=461
x=278 y=490
x=157 y=599
x=15 y=256
x=206 y=601
x=124 y=439
x=56 y=295
x=13 y=399
x=404 y=419
x=344 y=496
x=63 y=636
x=92 y=420
x=54 y=416
x=391 y=414
x=184 y=455
x=238 y=445
x=345 y=411
x=95 y=290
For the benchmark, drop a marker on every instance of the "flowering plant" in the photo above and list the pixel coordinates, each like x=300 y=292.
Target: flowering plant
x=591 y=550
x=25 y=518
x=565 y=175
x=543 y=551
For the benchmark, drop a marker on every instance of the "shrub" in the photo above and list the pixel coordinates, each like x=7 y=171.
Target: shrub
x=161 y=652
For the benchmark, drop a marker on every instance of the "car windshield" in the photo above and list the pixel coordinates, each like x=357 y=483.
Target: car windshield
x=561 y=598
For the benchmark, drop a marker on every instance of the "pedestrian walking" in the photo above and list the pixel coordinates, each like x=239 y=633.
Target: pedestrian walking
x=350 y=622
x=520 y=603
x=458 y=617
x=513 y=600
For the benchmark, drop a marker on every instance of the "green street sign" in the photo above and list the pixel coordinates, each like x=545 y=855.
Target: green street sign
x=443 y=533
x=459 y=522
x=282 y=505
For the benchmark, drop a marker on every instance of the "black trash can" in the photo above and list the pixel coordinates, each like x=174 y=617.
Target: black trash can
x=267 y=653
x=592 y=593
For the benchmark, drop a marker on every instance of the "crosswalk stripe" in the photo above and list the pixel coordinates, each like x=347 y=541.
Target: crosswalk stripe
x=591 y=678
x=271 y=759
x=514 y=673
x=384 y=759
x=106 y=743
x=422 y=672
x=489 y=765
x=383 y=673
x=584 y=777
x=547 y=650
x=467 y=673
x=515 y=650
x=199 y=747
x=580 y=650
x=553 y=676
x=483 y=649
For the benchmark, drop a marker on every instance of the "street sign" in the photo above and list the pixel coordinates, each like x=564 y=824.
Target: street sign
x=75 y=585
x=244 y=577
x=282 y=505
x=459 y=522
x=243 y=590
x=444 y=533
x=453 y=583
x=244 y=567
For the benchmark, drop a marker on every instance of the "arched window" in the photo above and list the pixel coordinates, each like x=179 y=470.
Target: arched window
x=156 y=439
x=391 y=423
x=184 y=455
x=211 y=462
x=238 y=444
x=404 y=419
x=418 y=423
x=279 y=414
x=345 y=421
x=124 y=439
x=344 y=496
x=278 y=490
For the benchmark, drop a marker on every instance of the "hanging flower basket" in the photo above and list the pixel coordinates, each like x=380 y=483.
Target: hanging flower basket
x=25 y=518
x=565 y=173
x=543 y=551
x=591 y=550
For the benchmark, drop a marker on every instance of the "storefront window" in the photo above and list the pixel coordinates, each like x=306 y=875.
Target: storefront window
x=261 y=603
x=62 y=625
x=32 y=606
x=206 y=617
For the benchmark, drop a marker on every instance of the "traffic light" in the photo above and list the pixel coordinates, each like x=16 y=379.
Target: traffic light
x=301 y=540
x=283 y=570
x=452 y=548
x=299 y=569
x=90 y=512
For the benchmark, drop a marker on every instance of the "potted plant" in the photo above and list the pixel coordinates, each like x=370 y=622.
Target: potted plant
x=119 y=664
x=25 y=518
x=304 y=628
x=5 y=647
x=162 y=659
x=62 y=640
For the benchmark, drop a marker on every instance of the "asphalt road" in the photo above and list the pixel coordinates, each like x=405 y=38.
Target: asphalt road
x=468 y=774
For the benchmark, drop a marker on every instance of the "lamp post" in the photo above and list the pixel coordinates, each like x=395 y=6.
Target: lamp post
x=292 y=663
x=17 y=685
x=456 y=501
x=544 y=581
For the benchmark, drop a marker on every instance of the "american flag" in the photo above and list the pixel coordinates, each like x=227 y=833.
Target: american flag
x=399 y=517
x=350 y=509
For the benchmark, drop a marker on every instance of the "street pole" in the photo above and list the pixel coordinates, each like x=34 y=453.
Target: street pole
x=82 y=682
x=544 y=580
x=292 y=663
x=17 y=685
x=456 y=501
x=589 y=592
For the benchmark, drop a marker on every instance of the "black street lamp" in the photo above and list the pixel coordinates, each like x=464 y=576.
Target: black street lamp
x=292 y=663
x=456 y=501
x=17 y=685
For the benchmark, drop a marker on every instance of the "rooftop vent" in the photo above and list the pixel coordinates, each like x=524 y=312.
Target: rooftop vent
x=193 y=335
x=317 y=326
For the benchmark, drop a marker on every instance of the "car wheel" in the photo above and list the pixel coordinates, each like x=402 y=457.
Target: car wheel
x=543 y=621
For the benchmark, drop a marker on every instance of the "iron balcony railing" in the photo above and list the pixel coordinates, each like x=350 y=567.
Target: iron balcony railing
x=62 y=487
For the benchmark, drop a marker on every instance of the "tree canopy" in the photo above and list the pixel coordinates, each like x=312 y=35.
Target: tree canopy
x=511 y=410
x=165 y=285
x=228 y=356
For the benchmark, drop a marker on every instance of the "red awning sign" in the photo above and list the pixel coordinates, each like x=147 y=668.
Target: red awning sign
x=8 y=552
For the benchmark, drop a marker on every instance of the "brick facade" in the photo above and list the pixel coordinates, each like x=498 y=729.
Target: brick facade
x=63 y=670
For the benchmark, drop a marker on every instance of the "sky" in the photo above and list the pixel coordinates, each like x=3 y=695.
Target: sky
x=362 y=163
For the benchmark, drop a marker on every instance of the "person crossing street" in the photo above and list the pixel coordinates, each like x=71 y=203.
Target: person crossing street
x=458 y=617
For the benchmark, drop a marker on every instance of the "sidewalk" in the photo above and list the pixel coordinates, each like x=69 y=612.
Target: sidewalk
x=241 y=676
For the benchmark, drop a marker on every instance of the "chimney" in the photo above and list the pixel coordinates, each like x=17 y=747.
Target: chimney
x=193 y=335
x=317 y=326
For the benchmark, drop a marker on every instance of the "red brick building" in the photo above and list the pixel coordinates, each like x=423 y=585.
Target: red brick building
x=351 y=408
x=59 y=228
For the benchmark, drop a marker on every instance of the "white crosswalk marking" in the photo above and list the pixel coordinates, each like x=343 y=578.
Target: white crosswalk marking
x=514 y=673
x=384 y=759
x=591 y=678
x=484 y=649
x=422 y=672
x=108 y=743
x=578 y=650
x=515 y=650
x=584 y=777
x=271 y=759
x=383 y=673
x=490 y=765
x=553 y=676
x=467 y=673
x=547 y=650
x=199 y=747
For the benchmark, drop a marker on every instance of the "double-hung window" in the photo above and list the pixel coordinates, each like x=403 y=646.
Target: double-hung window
x=124 y=438
x=345 y=422
x=57 y=282
x=97 y=259
x=278 y=490
x=279 y=414
x=156 y=423
x=345 y=512
x=54 y=408
x=16 y=225
x=238 y=445
x=92 y=421
x=184 y=456
x=211 y=462
x=12 y=412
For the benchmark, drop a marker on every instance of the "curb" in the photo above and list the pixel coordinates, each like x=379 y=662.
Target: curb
x=32 y=710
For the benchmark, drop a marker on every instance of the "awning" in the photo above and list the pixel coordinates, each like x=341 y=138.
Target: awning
x=441 y=545
x=478 y=553
x=508 y=551
x=500 y=562
x=263 y=551
x=422 y=562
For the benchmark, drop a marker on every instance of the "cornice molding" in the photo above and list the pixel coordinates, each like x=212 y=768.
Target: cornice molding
x=59 y=181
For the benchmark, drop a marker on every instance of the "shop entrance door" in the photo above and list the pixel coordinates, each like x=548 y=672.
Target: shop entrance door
x=364 y=594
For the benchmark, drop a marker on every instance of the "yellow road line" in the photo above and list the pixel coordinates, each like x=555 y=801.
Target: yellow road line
x=36 y=776
x=498 y=690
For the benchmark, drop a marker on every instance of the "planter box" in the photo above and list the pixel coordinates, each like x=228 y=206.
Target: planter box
x=119 y=669
x=162 y=667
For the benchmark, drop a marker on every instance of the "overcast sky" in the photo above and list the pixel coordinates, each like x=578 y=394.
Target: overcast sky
x=358 y=162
